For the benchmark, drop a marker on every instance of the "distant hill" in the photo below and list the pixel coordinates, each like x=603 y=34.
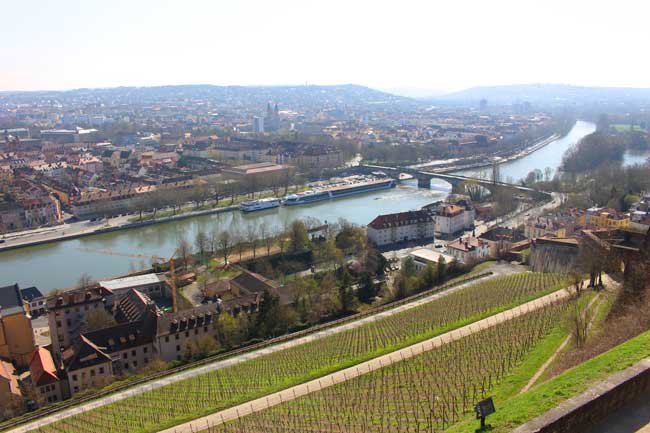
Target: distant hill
x=414 y=92
x=334 y=96
x=546 y=93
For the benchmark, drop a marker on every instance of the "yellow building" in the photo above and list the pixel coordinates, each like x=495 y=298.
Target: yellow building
x=16 y=333
x=9 y=388
x=607 y=218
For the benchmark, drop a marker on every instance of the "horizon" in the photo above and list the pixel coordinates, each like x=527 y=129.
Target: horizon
x=441 y=48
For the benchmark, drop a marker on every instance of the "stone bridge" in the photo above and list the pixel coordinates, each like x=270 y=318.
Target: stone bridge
x=456 y=181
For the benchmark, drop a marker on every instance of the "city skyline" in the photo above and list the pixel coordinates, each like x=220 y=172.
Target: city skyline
x=439 y=48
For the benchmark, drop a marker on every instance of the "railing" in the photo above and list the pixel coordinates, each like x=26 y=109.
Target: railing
x=49 y=411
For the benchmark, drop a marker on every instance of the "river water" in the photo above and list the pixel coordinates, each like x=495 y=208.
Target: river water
x=59 y=265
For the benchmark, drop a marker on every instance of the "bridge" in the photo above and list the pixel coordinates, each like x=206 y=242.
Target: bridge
x=456 y=181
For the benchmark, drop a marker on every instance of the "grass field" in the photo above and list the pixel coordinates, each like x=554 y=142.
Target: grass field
x=422 y=394
x=210 y=392
x=545 y=396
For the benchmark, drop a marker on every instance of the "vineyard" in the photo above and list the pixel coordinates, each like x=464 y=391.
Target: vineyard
x=426 y=393
x=223 y=388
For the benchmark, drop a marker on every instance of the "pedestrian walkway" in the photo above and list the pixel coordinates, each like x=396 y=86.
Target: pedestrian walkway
x=363 y=368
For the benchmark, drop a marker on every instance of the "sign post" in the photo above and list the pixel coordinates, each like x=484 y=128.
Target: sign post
x=484 y=408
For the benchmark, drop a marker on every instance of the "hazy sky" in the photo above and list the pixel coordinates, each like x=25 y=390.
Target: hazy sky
x=433 y=44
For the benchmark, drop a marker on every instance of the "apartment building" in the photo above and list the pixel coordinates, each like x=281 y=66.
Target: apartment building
x=68 y=311
x=401 y=227
x=606 y=218
x=45 y=377
x=16 y=333
x=469 y=249
x=451 y=219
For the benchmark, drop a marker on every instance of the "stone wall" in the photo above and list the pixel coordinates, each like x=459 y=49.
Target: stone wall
x=545 y=257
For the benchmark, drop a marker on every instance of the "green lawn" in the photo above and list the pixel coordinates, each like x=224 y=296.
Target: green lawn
x=545 y=396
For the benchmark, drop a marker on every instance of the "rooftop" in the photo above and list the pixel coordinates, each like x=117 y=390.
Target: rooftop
x=134 y=281
x=10 y=300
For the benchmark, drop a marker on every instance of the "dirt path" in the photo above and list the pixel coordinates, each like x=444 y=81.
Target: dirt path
x=566 y=341
x=363 y=368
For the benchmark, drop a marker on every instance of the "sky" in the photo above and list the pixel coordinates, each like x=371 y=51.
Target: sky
x=430 y=44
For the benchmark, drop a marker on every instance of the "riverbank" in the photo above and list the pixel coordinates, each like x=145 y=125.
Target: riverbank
x=519 y=155
x=52 y=235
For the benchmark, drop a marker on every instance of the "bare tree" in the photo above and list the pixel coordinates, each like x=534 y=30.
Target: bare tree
x=266 y=238
x=225 y=245
x=85 y=281
x=251 y=237
x=201 y=242
x=183 y=251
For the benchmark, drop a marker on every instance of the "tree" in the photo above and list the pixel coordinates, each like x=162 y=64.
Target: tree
x=201 y=243
x=442 y=270
x=225 y=245
x=408 y=267
x=298 y=237
x=265 y=237
x=251 y=237
x=206 y=345
x=97 y=319
x=428 y=277
x=85 y=281
x=345 y=291
x=183 y=252
x=366 y=292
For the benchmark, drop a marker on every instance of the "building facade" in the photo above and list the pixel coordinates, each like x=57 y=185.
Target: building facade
x=401 y=227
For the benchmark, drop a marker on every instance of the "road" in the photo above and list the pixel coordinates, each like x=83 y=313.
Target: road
x=498 y=269
x=363 y=368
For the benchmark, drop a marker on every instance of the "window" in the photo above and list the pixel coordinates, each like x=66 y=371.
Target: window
x=145 y=349
x=167 y=339
x=178 y=347
x=125 y=355
x=135 y=364
x=187 y=333
x=76 y=389
x=196 y=331
x=92 y=372
x=74 y=377
x=101 y=370
x=133 y=352
x=205 y=329
x=58 y=323
x=178 y=336
x=126 y=365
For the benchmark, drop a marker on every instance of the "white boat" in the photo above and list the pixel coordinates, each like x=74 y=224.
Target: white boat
x=344 y=187
x=263 y=203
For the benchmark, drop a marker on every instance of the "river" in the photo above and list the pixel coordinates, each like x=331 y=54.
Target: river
x=548 y=156
x=59 y=265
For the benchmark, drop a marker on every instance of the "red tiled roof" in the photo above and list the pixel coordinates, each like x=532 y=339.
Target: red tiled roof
x=400 y=219
x=41 y=366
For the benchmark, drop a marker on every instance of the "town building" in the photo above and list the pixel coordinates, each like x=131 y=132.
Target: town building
x=34 y=301
x=502 y=240
x=153 y=285
x=259 y=172
x=469 y=249
x=68 y=311
x=45 y=378
x=606 y=218
x=9 y=388
x=423 y=257
x=16 y=333
x=452 y=219
x=87 y=366
x=401 y=227
x=258 y=125
x=560 y=224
